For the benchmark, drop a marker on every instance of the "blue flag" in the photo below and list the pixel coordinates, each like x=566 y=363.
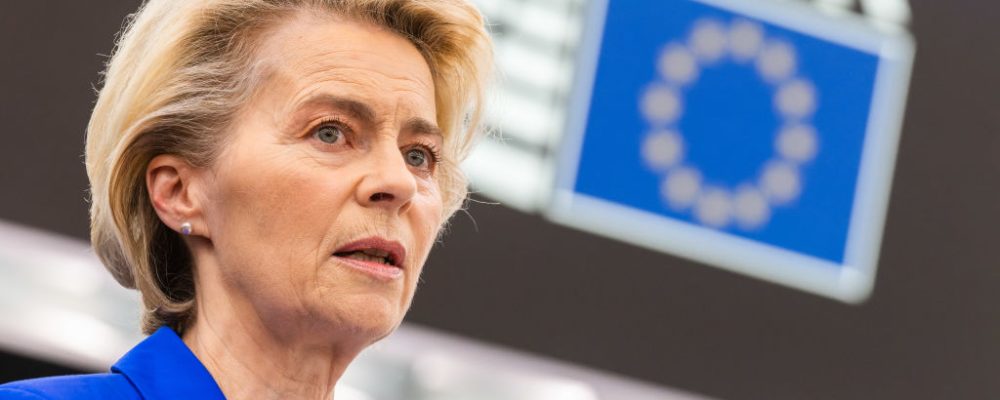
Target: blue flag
x=766 y=131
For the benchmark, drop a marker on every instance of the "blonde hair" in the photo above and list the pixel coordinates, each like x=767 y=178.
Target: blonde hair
x=181 y=71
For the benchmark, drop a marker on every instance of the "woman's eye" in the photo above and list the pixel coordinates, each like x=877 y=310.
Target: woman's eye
x=329 y=134
x=416 y=157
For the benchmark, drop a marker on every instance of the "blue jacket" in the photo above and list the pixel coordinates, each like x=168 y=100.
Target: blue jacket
x=160 y=367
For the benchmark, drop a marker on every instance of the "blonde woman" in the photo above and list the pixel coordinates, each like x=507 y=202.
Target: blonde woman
x=271 y=175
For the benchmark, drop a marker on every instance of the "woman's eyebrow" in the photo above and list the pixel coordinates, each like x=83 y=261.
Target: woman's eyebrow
x=355 y=108
x=420 y=126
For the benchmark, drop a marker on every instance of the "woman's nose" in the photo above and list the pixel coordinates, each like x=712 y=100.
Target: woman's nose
x=388 y=183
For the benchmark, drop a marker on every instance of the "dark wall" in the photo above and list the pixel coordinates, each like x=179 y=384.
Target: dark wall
x=930 y=329
x=15 y=367
x=50 y=56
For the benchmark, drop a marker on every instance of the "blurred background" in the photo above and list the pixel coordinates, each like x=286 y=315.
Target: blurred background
x=515 y=305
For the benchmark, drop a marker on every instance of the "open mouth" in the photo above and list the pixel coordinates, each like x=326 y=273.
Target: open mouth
x=374 y=250
x=370 y=255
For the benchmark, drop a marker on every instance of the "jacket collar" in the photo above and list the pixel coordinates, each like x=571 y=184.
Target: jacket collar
x=162 y=367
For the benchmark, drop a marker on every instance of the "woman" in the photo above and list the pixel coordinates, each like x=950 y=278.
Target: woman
x=271 y=176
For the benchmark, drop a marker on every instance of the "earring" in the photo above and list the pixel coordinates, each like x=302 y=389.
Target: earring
x=186 y=229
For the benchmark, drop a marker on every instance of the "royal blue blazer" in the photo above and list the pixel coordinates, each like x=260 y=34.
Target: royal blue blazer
x=160 y=367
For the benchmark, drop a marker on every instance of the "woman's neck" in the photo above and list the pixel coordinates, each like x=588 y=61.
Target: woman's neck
x=250 y=361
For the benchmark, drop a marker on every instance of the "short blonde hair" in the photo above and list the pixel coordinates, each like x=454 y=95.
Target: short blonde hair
x=181 y=71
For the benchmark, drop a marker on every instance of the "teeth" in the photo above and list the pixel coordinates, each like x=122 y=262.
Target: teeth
x=376 y=253
x=367 y=257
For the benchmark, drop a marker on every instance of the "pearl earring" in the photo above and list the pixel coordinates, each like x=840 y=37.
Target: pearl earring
x=186 y=228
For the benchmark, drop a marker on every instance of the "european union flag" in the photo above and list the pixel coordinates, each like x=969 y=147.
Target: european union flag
x=756 y=136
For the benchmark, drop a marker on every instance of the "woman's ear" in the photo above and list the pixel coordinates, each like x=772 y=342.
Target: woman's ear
x=174 y=188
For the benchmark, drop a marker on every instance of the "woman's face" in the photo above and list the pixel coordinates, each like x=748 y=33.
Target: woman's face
x=324 y=203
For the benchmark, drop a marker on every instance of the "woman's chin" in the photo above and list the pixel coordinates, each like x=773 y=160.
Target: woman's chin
x=368 y=317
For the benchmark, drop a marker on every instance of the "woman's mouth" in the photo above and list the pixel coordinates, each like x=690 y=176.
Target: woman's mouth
x=378 y=257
